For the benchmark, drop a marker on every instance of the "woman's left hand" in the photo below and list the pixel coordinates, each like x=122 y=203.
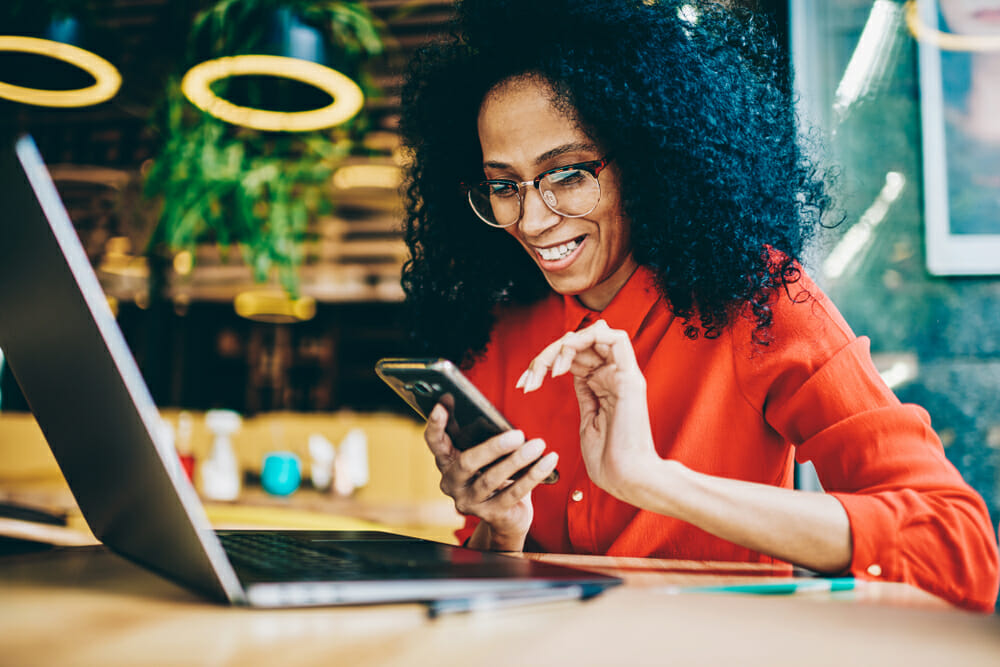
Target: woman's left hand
x=615 y=435
x=808 y=529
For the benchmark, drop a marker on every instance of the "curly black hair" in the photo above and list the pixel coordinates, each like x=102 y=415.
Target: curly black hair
x=691 y=100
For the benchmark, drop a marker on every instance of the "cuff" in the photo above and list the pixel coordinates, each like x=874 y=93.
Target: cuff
x=875 y=552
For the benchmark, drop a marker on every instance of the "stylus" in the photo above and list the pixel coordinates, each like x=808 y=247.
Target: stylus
x=774 y=588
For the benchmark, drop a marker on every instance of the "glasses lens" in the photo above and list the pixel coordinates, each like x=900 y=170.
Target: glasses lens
x=572 y=192
x=498 y=204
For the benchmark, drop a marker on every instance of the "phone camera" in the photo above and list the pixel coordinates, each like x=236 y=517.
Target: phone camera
x=420 y=387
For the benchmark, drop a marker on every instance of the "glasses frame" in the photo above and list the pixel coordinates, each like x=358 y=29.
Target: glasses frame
x=592 y=167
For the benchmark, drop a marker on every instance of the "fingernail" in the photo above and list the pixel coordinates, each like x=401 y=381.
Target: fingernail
x=550 y=458
x=513 y=437
x=533 y=448
x=520 y=380
x=562 y=365
x=529 y=381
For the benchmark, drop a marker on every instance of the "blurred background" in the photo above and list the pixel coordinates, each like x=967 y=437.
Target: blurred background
x=256 y=269
x=181 y=212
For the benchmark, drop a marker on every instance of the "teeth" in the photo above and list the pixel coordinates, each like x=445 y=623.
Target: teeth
x=558 y=252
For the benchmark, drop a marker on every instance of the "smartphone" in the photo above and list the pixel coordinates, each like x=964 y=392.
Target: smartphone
x=423 y=383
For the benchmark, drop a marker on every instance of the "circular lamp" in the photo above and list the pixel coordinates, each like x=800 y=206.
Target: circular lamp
x=347 y=95
x=107 y=80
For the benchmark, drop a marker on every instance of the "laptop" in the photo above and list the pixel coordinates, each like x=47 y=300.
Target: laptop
x=69 y=356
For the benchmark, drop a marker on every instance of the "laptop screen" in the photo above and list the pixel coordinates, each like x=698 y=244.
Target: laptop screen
x=84 y=387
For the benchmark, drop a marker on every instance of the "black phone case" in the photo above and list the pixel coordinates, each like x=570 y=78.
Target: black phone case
x=423 y=383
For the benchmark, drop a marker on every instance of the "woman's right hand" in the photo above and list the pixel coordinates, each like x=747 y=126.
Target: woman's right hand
x=481 y=485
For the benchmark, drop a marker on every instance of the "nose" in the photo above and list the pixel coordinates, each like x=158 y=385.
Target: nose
x=537 y=217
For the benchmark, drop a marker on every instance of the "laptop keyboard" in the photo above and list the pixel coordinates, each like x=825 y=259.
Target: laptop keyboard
x=278 y=557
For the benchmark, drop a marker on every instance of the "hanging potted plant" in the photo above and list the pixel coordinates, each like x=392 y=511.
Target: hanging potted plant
x=252 y=188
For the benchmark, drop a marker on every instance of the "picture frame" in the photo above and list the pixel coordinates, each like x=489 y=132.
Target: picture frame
x=959 y=77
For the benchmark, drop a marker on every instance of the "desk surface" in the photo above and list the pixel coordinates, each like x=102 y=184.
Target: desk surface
x=85 y=606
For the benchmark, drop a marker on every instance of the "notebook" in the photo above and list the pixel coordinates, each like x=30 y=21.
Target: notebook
x=69 y=356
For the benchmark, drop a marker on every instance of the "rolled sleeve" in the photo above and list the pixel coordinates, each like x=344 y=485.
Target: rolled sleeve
x=913 y=518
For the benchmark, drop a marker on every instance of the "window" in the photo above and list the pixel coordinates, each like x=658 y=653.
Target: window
x=935 y=338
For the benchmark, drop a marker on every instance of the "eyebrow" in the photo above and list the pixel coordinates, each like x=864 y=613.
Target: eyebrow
x=549 y=154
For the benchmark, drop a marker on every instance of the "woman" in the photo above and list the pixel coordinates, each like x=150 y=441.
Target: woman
x=606 y=215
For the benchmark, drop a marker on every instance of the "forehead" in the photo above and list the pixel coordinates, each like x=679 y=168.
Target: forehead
x=520 y=120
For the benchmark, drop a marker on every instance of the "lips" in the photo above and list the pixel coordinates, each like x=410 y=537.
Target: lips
x=987 y=15
x=560 y=255
x=557 y=252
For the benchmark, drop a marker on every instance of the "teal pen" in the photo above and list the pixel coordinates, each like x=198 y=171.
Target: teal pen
x=774 y=588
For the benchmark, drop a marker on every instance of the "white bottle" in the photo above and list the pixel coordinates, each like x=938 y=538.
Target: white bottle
x=322 y=455
x=351 y=472
x=220 y=474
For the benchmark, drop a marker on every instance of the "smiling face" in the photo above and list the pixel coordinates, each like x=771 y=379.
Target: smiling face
x=523 y=134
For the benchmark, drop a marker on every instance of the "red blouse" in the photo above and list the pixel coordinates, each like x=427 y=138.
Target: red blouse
x=729 y=408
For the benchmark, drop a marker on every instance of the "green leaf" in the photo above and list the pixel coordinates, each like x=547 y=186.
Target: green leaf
x=214 y=181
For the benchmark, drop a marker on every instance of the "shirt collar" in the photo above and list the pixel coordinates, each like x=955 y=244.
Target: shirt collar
x=627 y=310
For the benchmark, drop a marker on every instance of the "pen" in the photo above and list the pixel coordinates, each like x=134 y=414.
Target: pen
x=502 y=600
x=774 y=588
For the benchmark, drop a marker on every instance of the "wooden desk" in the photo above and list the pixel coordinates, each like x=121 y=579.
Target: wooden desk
x=85 y=606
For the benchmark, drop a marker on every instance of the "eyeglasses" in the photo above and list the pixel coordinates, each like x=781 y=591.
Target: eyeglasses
x=571 y=191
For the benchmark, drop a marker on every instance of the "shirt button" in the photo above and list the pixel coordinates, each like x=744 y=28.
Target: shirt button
x=577 y=496
x=875 y=570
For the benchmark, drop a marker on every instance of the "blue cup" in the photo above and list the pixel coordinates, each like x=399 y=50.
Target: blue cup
x=281 y=473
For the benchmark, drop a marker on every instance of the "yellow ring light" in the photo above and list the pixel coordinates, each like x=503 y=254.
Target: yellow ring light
x=347 y=96
x=947 y=41
x=107 y=80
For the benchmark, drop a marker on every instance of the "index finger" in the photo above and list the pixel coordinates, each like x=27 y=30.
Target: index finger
x=547 y=359
x=588 y=348
x=434 y=433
